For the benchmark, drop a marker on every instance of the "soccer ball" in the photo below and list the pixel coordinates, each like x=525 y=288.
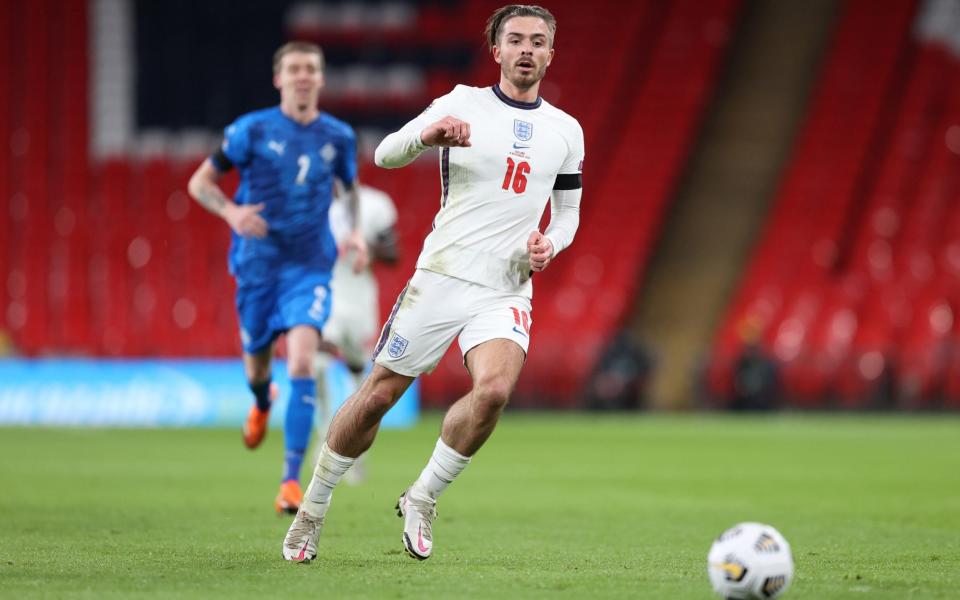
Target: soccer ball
x=750 y=561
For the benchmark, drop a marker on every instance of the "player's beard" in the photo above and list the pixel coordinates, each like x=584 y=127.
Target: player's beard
x=525 y=82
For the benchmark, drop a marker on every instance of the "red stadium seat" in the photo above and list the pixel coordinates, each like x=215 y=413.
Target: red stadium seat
x=841 y=211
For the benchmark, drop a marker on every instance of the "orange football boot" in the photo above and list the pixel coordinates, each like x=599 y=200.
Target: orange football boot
x=255 y=429
x=289 y=498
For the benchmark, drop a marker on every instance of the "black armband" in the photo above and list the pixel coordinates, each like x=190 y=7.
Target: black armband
x=569 y=181
x=220 y=160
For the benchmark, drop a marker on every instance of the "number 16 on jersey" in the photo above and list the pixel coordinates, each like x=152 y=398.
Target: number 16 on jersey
x=516 y=176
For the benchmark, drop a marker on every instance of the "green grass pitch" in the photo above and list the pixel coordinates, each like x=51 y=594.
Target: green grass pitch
x=555 y=506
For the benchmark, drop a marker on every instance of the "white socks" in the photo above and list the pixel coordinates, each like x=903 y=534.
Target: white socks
x=330 y=468
x=444 y=465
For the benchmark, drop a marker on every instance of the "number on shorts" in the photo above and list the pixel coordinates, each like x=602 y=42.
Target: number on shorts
x=319 y=296
x=522 y=319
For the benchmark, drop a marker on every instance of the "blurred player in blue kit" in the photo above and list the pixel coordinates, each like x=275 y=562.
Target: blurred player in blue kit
x=282 y=252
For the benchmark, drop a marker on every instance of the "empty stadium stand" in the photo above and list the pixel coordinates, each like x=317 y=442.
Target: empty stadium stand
x=853 y=288
x=107 y=256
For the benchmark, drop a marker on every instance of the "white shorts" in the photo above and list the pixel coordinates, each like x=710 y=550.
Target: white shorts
x=434 y=309
x=353 y=323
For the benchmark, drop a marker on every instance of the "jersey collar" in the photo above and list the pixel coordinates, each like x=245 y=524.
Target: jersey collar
x=290 y=120
x=515 y=103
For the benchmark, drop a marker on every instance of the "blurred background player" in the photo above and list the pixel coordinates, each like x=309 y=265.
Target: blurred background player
x=282 y=250
x=353 y=325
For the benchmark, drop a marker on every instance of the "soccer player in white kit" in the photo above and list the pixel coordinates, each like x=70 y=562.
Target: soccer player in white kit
x=504 y=152
x=351 y=330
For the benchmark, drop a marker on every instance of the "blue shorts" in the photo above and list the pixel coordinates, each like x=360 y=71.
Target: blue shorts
x=267 y=310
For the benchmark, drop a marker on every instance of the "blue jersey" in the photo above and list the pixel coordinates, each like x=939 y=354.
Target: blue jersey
x=290 y=168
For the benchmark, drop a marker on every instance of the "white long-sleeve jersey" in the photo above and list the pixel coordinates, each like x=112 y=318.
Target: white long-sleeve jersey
x=377 y=215
x=494 y=192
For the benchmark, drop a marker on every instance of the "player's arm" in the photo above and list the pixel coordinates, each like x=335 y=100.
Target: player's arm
x=564 y=211
x=355 y=241
x=564 y=221
x=204 y=188
x=433 y=127
x=564 y=205
x=401 y=148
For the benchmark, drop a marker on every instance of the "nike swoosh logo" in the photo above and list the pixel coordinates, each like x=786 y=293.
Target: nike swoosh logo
x=518 y=331
x=303 y=552
x=517 y=146
x=420 y=545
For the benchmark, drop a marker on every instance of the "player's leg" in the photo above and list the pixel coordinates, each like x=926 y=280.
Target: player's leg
x=257 y=368
x=351 y=433
x=303 y=305
x=302 y=342
x=494 y=343
x=355 y=368
x=495 y=366
x=322 y=363
x=332 y=344
x=355 y=425
x=421 y=327
x=358 y=472
x=358 y=332
x=259 y=378
x=255 y=306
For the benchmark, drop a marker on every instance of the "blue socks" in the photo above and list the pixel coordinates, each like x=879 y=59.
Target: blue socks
x=261 y=393
x=298 y=424
x=292 y=459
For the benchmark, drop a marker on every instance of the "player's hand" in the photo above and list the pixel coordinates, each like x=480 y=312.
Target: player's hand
x=358 y=246
x=245 y=219
x=448 y=132
x=541 y=251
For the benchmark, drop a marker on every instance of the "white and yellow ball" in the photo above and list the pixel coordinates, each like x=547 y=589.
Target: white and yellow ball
x=750 y=561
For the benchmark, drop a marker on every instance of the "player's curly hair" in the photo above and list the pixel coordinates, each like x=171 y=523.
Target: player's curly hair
x=295 y=46
x=502 y=15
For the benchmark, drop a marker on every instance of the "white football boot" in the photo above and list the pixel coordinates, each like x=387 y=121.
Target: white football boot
x=300 y=545
x=418 y=516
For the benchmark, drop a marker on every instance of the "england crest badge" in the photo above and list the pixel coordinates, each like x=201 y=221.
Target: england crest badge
x=523 y=130
x=398 y=345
